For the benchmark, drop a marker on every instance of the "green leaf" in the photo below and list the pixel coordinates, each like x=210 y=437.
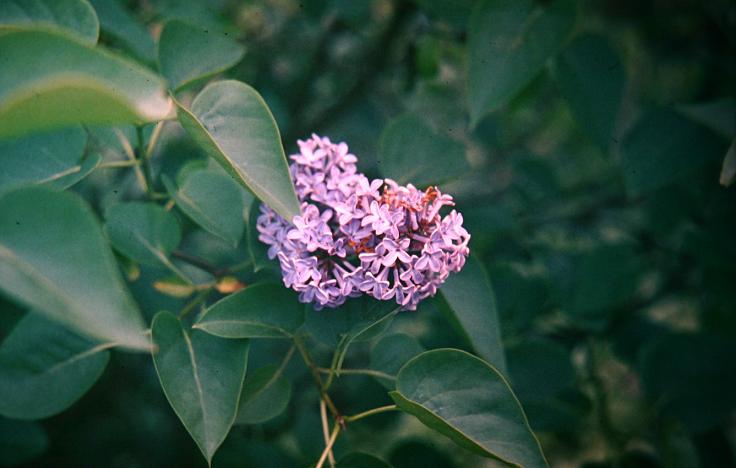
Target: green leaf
x=509 y=43
x=664 y=147
x=467 y=400
x=77 y=173
x=391 y=352
x=41 y=157
x=728 y=170
x=21 y=441
x=717 y=115
x=142 y=231
x=45 y=368
x=188 y=53
x=691 y=377
x=213 y=200
x=202 y=377
x=361 y=460
x=414 y=453
x=454 y=12
x=360 y=318
x=266 y=310
x=411 y=152
x=68 y=82
x=232 y=123
x=266 y=394
x=72 y=16
x=471 y=307
x=54 y=258
x=592 y=78
x=125 y=29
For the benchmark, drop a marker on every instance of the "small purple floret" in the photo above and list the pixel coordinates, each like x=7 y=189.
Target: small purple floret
x=359 y=236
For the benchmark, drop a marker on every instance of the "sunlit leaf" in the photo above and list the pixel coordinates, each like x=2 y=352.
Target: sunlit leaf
x=45 y=368
x=509 y=43
x=467 y=400
x=54 y=258
x=71 y=16
x=233 y=124
x=202 y=377
x=188 y=53
x=70 y=82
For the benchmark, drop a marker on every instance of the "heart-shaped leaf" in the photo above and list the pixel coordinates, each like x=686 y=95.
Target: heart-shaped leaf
x=470 y=305
x=71 y=16
x=467 y=400
x=360 y=318
x=509 y=43
x=54 y=258
x=21 y=441
x=213 y=200
x=266 y=394
x=202 y=377
x=663 y=147
x=124 y=29
x=592 y=78
x=391 y=352
x=40 y=158
x=45 y=368
x=233 y=124
x=266 y=310
x=411 y=152
x=144 y=232
x=69 y=82
x=188 y=53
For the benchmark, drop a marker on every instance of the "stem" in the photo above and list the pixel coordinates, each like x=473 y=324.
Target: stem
x=154 y=139
x=117 y=164
x=128 y=150
x=328 y=447
x=370 y=412
x=145 y=162
x=325 y=431
x=333 y=365
x=315 y=375
x=200 y=298
x=199 y=263
x=370 y=372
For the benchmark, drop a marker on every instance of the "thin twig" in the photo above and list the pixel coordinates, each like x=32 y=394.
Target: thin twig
x=325 y=430
x=328 y=447
x=199 y=299
x=370 y=372
x=315 y=375
x=370 y=412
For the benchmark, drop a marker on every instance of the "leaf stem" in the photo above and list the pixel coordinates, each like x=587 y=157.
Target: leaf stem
x=370 y=412
x=199 y=299
x=325 y=430
x=370 y=372
x=328 y=447
x=315 y=375
x=199 y=263
x=117 y=164
x=144 y=161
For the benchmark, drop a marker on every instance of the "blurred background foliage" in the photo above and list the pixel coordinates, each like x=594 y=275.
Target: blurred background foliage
x=596 y=193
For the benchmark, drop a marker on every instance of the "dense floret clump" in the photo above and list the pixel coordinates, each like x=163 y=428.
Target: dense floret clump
x=359 y=236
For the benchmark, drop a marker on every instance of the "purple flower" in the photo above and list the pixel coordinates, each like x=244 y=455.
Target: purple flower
x=360 y=236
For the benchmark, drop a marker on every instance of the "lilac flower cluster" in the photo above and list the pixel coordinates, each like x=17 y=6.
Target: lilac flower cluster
x=359 y=236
